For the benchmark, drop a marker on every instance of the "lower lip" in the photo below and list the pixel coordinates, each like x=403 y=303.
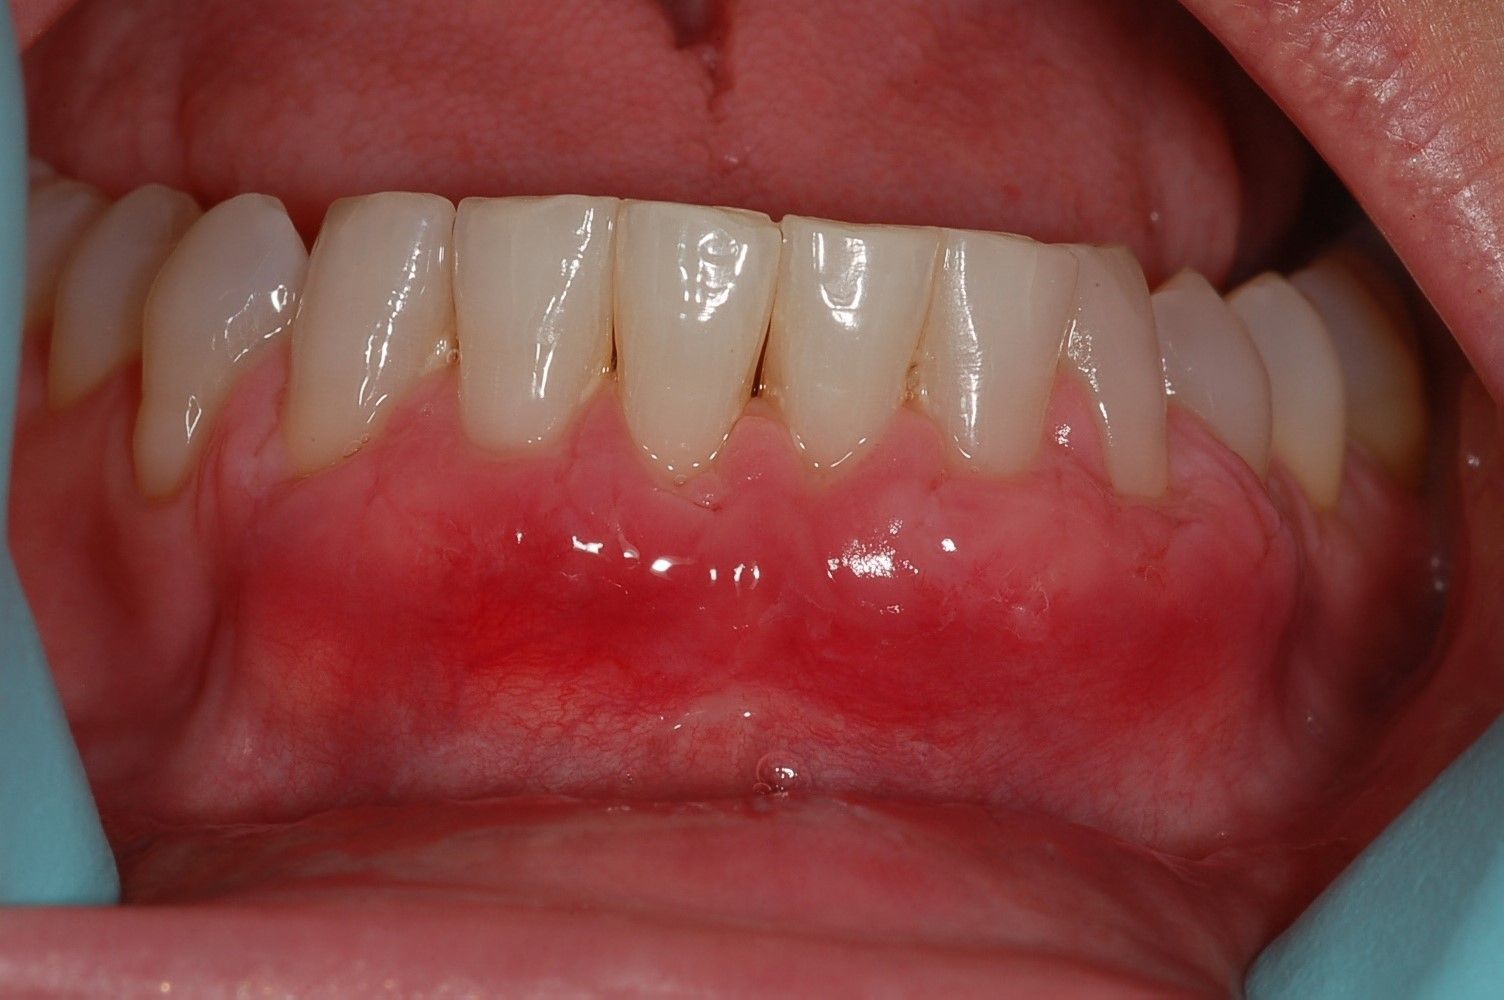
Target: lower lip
x=565 y=895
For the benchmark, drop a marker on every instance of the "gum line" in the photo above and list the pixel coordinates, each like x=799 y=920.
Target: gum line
x=850 y=339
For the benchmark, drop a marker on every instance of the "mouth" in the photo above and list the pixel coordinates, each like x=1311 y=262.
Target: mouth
x=668 y=516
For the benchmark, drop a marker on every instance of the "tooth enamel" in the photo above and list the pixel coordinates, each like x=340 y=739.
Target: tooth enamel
x=847 y=318
x=532 y=296
x=1305 y=383
x=1113 y=346
x=377 y=314
x=1386 y=408
x=102 y=289
x=229 y=288
x=1212 y=367
x=991 y=344
x=59 y=212
x=694 y=287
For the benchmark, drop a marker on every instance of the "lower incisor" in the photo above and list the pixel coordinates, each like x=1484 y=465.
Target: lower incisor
x=1386 y=399
x=847 y=318
x=103 y=287
x=693 y=290
x=849 y=321
x=1212 y=367
x=997 y=322
x=532 y=295
x=226 y=292
x=377 y=314
x=1305 y=384
x=1112 y=346
x=57 y=213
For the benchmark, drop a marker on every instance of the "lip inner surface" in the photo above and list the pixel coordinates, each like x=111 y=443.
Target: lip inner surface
x=1064 y=712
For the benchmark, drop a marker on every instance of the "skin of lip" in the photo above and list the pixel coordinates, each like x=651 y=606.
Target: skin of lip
x=52 y=850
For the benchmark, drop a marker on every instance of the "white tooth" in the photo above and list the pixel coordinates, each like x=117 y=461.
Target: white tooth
x=532 y=297
x=1386 y=405
x=1212 y=367
x=847 y=318
x=228 y=289
x=377 y=314
x=992 y=343
x=693 y=290
x=1305 y=383
x=1113 y=346
x=102 y=289
x=59 y=212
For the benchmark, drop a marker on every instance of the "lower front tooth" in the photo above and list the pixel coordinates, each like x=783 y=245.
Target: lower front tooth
x=1386 y=403
x=1305 y=383
x=1212 y=367
x=57 y=214
x=227 y=290
x=102 y=290
x=1113 y=346
x=532 y=298
x=992 y=342
x=377 y=314
x=693 y=290
x=848 y=315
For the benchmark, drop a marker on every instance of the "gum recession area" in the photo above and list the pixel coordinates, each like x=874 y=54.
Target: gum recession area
x=424 y=622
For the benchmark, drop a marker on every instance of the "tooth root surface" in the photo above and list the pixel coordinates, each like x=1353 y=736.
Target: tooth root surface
x=847 y=319
x=1212 y=367
x=992 y=342
x=1386 y=404
x=228 y=289
x=1113 y=346
x=377 y=314
x=694 y=287
x=1305 y=383
x=102 y=289
x=532 y=291
x=57 y=214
